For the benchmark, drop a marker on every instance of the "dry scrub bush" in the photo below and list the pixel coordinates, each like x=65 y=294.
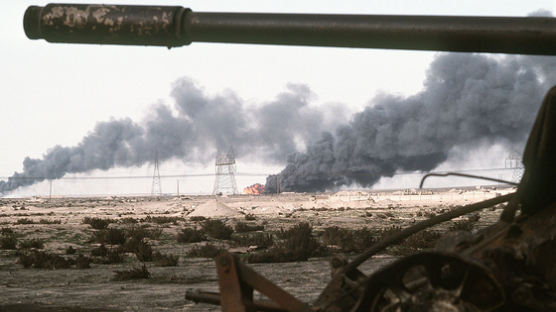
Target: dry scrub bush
x=261 y=240
x=162 y=219
x=141 y=232
x=217 y=229
x=6 y=231
x=197 y=218
x=188 y=235
x=140 y=248
x=414 y=243
x=112 y=236
x=97 y=223
x=244 y=227
x=8 y=242
x=114 y=256
x=100 y=251
x=107 y=256
x=7 y=239
x=320 y=209
x=128 y=220
x=298 y=244
x=300 y=241
x=144 y=251
x=47 y=221
x=31 y=243
x=165 y=260
x=24 y=221
x=348 y=240
x=204 y=251
x=132 y=240
x=133 y=273
x=43 y=260
x=250 y=217
x=70 y=250
x=82 y=262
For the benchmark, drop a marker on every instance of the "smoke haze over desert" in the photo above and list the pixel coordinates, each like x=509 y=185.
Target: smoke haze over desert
x=467 y=100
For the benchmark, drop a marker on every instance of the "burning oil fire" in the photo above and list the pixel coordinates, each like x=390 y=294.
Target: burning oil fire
x=256 y=189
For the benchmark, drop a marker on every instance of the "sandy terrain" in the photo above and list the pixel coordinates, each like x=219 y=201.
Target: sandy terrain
x=94 y=288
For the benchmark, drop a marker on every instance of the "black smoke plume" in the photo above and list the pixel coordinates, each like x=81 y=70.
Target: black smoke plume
x=192 y=130
x=467 y=100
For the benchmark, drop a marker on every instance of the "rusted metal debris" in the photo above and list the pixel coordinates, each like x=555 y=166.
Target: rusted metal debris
x=509 y=266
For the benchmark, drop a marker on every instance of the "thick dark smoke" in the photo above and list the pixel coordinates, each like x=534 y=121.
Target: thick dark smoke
x=193 y=130
x=467 y=100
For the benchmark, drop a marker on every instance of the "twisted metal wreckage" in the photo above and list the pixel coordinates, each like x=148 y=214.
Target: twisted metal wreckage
x=509 y=266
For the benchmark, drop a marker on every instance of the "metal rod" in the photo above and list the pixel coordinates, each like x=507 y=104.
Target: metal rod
x=434 y=174
x=393 y=239
x=214 y=298
x=173 y=26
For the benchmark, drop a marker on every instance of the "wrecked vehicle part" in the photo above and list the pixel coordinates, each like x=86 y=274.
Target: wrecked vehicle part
x=432 y=281
x=341 y=294
x=508 y=266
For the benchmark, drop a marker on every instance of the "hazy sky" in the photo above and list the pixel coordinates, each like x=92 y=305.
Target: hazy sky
x=54 y=94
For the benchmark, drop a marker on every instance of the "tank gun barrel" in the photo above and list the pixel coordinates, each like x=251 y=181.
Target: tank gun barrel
x=174 y=26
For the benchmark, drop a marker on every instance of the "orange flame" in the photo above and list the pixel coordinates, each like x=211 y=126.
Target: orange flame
x=256 y=189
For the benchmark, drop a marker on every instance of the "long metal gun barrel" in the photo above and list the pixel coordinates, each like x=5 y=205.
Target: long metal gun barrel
x=173 y=26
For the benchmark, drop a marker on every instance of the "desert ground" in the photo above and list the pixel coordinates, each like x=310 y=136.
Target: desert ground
x=58 y=254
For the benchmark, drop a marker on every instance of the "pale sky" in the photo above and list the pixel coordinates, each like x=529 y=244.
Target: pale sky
x=54 y=94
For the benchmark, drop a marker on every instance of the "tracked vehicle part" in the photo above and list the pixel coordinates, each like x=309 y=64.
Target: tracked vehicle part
x=173 y=26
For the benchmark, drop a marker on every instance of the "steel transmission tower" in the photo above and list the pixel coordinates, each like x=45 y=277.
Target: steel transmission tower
x=514 y=162
x=156 y=187
x=225 y=180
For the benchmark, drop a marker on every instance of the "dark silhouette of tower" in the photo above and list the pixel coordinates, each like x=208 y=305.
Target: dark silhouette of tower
x=225 y=180
x=156 y=187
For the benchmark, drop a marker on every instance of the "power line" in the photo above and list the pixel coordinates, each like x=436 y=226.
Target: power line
x=253 y=174
x=134 y=177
